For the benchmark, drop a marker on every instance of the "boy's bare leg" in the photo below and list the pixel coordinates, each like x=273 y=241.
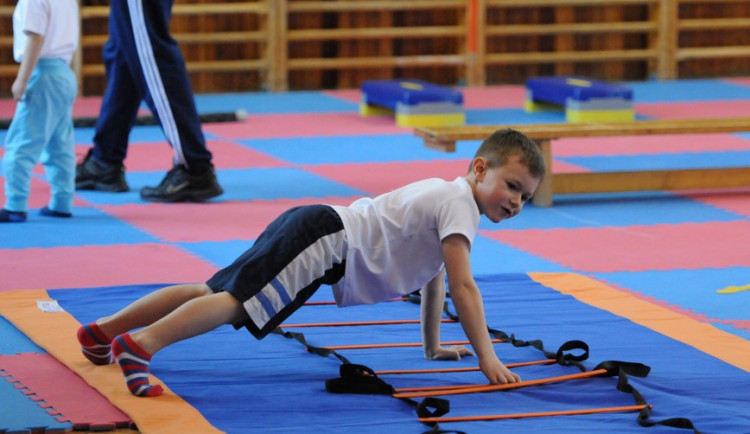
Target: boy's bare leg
x=151 y=308
x=193 y=318
x=200 y=315
x=96 y=338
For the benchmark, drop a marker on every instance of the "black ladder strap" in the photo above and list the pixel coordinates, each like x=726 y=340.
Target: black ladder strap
x=621 y=370
x=300 y=337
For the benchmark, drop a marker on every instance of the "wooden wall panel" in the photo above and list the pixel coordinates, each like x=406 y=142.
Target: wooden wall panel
x=250 y=45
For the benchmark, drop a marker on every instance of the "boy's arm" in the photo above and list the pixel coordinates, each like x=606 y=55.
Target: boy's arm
x=431 y=312
x=30 y=58
x=468 y=302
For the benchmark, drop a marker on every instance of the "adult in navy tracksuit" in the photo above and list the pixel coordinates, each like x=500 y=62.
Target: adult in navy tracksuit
x=143 y=62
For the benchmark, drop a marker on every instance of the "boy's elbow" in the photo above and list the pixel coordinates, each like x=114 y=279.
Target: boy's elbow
x=463 y=288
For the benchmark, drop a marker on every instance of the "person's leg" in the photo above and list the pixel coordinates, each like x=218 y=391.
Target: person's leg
x=300 y=250
x=170 y=98
x=58 y=156
x=123 y=94
x=170 y=94
x=133 y=352
x=96 y=338
x=103 y=168
x=23 y=146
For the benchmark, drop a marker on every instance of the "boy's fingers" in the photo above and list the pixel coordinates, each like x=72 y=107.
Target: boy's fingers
x=462 y=350
x=447 y=354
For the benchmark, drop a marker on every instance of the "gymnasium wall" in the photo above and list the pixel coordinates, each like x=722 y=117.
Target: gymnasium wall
x=278 y=45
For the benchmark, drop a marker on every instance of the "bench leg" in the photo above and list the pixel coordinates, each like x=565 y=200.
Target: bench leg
x=543 y=195
x=440 y=145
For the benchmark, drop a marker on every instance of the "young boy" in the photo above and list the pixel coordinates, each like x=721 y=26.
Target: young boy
x=370 y=251
x=45 y=36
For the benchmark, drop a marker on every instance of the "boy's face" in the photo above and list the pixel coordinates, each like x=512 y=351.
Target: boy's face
x=502 y=191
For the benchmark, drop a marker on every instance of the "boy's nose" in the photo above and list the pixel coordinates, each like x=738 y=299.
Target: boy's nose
x=515 y=200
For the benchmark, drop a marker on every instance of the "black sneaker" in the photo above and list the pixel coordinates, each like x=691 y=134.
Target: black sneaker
x=181 y=186
x=12 y=216
x=47 y=212
x=92 y=174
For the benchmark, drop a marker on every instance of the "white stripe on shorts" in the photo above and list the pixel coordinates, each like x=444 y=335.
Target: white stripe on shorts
x=311 y=264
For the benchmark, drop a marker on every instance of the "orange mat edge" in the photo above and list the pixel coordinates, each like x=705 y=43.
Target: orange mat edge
x=704 y=337
x=55 y=333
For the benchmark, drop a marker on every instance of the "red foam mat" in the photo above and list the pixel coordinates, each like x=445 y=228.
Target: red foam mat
x=494 y=97
x=86 y=266
x=391 y=175
x=58 y=388
x=306 y=125
x=694 y=109
x=648 y=145
x=190 y=222
x=158 y=156
x=636 y=248
x=733 y=200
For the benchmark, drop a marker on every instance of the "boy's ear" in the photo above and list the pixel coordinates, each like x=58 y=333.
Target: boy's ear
x=479 y=166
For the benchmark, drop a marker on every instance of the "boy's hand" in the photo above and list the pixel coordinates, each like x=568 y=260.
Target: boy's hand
x=454 y=352
x=496 y=372
x=18 y=89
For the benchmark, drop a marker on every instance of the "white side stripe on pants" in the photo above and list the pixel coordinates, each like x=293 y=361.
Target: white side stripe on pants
x=153 y=79
x=310 y=265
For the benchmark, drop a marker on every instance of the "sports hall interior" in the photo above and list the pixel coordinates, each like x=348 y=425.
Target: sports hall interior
x=623 y=301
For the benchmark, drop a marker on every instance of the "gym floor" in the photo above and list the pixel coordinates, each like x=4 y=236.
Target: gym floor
x=658 y=278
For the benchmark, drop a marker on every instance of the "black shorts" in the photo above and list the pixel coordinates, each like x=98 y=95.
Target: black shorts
x=302 y=249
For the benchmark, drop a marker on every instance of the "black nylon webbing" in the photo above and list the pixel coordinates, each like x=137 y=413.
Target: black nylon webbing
x=623 y=385
x=361 y=379
x=299 y=337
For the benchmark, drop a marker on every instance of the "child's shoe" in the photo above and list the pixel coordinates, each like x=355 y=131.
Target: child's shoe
x=52 y=213
x=12 y=216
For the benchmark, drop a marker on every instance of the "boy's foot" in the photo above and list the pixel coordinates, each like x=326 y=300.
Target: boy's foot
x=134 y=361
x=95 y=345
x=12 y=216
x=52 y=213
x=181 y=186
x=92 y=174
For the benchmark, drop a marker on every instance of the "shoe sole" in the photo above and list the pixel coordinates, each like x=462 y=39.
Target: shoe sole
x=191 y=196
x=100 y=186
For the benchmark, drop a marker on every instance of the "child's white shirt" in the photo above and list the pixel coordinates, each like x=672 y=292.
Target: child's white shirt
x=57 y=20
x=394 y=240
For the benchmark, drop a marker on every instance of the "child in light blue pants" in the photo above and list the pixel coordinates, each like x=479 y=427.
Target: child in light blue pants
x=45 y=38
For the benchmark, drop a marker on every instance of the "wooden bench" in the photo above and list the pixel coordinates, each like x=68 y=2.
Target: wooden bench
x=444 y=139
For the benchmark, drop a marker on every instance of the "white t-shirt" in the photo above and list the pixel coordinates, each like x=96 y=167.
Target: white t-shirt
x=394 y=240
x=56 y=20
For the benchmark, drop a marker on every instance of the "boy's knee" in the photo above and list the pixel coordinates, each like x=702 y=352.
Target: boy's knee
x=200 y=289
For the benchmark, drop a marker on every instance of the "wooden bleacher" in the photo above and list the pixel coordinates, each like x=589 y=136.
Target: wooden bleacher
x=444 y=139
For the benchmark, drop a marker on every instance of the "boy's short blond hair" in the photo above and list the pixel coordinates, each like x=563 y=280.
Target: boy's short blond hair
x=502 y=144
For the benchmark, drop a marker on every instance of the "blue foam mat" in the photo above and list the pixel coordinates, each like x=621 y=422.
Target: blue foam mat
x=19 y=414
x=688 y=90
x=13 y=341
x=239 y=185
x=275 y=103
x=242 y=385
x=335 y=150
x=695 y=293
x=694 y=160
